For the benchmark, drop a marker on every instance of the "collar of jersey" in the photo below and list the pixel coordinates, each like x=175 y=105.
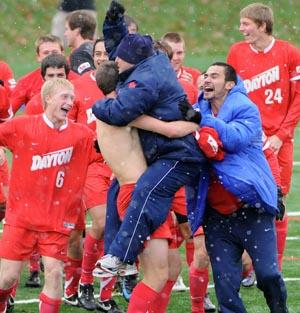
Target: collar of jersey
x=267 y=49
x=51 y=125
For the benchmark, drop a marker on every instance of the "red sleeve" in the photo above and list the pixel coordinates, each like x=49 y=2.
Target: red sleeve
x=5 y=109
x=19 y=95
x=73 y=113
x=8 y=132
x=231 y=57
x=34 y=106
x=293 y=115
x=273 y=163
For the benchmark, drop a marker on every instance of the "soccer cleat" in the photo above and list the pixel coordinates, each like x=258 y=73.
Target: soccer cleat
x=86 y=297
x=33 y=280
x=10 y=305
x=109 y=306
x=110 y=264
x=127 y=284
x=179 y=285
x=209 y=307
x=249 y=281
x=71 y=300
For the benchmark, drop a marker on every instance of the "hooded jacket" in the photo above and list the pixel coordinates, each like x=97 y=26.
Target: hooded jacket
x=244 y=171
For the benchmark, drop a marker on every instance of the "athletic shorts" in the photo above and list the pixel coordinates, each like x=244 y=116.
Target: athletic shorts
x=179 y=202
x=285 y=161
x=124 y=197
x=96 y=186
x=18 y=243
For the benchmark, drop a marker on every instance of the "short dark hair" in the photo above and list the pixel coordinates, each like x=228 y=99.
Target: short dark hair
x=84 y=21
x=230 y=73
x=129 y=20
x=107 y=76
x=56 y=61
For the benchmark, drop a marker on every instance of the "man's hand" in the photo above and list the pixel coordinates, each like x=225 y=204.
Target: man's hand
x=275 y=143
x=187 y=77
x=188 y=113
x=115 y=11
x=280 y=205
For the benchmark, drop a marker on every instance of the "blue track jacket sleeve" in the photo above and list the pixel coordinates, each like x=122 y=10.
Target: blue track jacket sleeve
x=130 y=103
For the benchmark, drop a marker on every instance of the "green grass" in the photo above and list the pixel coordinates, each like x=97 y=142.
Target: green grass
x=209 y=28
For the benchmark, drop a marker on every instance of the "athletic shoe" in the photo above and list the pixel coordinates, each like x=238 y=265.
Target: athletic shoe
x=179 y=285
x=71 y=300
x=127 y=284
x=86 y=297
x=249 y=281
x=209 y=307
x=110 y=264
x=10 y=305
x=109 y=306
x=34 y=280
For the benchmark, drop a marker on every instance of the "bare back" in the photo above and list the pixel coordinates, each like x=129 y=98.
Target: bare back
x=121 y=149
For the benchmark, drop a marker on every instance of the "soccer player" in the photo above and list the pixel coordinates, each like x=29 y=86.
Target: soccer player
x=115 y=142
x=270 y=69
x=31 y=83
x=189 y=74
x=246 y=192
x=80 y=287
x=52 y=66
x=7 y=75
x=80 y=32
x=53 y=165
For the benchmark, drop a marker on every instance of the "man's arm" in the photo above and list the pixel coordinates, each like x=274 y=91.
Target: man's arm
x=114 y=28
x=5 y=108
x=173 y=129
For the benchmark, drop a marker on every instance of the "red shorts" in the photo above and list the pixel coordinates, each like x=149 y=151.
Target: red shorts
x=199 y=232
x=18 y=244
x=124 y=197
x=285 y=161
x=179 y=202
x=96 y=186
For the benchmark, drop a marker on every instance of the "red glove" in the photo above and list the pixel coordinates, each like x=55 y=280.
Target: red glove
x=210 y=143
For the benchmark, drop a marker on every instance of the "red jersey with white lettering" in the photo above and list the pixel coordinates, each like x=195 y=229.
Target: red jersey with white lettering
x=87 y=92
x=270 y=77
x=7 y=75
x=48 y=172
x=29 y=86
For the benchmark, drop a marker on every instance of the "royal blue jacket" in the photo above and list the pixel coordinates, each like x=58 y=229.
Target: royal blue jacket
x=244 y=171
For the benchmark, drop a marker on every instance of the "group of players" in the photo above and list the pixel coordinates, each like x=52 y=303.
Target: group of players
x=270 y=69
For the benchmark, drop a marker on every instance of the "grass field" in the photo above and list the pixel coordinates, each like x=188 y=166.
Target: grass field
x=209 y=28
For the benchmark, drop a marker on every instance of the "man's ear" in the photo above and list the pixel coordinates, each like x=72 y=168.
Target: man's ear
x=229 y=85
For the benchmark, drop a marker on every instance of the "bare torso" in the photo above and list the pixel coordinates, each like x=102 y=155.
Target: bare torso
x=121 y=149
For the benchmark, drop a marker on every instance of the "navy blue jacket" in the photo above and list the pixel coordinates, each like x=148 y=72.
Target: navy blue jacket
x=151 y=88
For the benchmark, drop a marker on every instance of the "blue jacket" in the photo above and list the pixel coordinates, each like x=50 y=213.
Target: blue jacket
x=244 y=171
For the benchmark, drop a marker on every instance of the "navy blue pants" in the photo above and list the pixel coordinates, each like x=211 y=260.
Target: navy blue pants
x=226 y=237
x=149 y=206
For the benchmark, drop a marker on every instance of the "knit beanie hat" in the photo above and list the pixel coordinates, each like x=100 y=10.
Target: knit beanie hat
x=134 y=48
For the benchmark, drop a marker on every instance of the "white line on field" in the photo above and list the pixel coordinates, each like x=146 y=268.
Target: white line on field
x=29 y=301
x=296 y=163
x=296 y=213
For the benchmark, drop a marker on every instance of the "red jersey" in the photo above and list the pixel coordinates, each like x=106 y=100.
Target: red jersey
x=268 y=77
x=29 y=86
x=48 y=172
x=5 y=108
x=190 y=90
x=7 y=75
x=193 y=71
x=87 y=92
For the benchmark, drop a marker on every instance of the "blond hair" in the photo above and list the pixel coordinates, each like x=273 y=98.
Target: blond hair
x=51 y=86
x=259 y=13
x=172 y=37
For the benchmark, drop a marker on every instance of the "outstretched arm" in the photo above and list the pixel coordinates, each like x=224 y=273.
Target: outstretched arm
x=173 y=129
